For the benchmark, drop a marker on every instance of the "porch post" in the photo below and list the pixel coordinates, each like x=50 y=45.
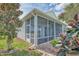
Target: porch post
x=54 y=30
x=30 y=30
x=35 y=30
x=25 y=29
x=62 y=28
x=48 y=29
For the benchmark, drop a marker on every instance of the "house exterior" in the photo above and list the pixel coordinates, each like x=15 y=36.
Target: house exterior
x=40 y=27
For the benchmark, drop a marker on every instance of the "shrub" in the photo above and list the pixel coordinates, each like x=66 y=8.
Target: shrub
x=36 y=53
x=54 y=42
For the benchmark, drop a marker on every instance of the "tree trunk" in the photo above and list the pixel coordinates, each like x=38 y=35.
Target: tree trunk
x=9 y=42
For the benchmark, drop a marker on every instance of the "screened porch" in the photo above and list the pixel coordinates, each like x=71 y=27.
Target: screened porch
x=40 y=30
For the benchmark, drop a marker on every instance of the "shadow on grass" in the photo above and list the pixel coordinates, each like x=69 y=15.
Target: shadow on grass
x=22 y=53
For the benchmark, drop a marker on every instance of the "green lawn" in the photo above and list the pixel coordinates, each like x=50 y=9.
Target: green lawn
x=21 y=47
x=23 y=53
x=17 y=44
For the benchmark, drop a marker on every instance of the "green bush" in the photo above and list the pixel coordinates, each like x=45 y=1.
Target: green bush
x=54 y=42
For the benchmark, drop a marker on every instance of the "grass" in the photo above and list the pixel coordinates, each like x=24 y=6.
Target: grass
x=17 y=44
x=3 y=44
x=23 y=53
x=21 y=47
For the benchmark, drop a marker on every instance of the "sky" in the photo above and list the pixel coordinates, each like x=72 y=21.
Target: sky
x=56 y=7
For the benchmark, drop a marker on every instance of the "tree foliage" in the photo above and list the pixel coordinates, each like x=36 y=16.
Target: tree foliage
x=9 y=21
x=69 y=12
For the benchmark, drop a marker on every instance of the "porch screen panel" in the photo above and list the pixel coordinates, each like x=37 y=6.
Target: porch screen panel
x=42 y=27
x=27 y=28
x=51 y=30
x=42 y=30
x=58 y=29
x=52 y=25
x=32 y=29
x=39 y=27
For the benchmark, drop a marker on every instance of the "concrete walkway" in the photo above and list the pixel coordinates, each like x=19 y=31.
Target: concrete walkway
x=47 y=47
x=45 y=53
x=48 y=50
